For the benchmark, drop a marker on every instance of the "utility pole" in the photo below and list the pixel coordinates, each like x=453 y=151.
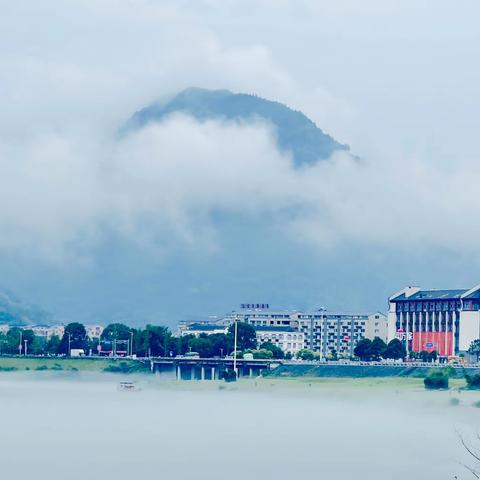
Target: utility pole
x=69 y=344
x=25 y=351
x=20 y=344
x=131 y=342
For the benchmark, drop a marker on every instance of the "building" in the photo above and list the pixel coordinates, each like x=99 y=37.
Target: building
x=263 y=317
x=445 y=321
x=326 y=332
x=321 y=331
x=198 y=328
x=286 y=338
x=46 y=332
x=94 y=331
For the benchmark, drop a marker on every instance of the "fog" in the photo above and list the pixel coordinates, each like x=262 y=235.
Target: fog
x=84 y=427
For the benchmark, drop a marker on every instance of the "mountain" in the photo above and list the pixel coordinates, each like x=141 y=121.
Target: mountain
x=14 y=312
x=295 y=131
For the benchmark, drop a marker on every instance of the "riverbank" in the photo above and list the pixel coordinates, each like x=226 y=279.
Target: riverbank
x=359 y=371
x=85 y=364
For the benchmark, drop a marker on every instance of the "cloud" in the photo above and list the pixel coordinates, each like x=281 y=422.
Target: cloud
x=67 y=181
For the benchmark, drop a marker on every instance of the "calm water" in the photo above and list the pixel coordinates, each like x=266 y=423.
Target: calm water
x=61 y=428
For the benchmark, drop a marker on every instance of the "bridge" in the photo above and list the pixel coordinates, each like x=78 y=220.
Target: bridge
x=182 y=368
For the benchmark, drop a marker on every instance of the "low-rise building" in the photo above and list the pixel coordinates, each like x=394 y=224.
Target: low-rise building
x=46 y=332
x=199 y=328
x=94 y=331
x=287 y=339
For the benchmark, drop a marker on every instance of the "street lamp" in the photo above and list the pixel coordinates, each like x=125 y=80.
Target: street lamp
x=25 y=350
x=235 y=329
x=69 y=344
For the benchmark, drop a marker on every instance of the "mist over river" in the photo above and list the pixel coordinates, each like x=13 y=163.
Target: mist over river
x=79 y=427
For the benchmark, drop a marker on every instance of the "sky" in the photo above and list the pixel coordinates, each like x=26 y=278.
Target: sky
x=185 y=219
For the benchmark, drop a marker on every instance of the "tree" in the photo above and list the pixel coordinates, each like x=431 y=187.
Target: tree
x=437 y=379
x=53 y=345
x=395 y=350
x=246 y=335
x=259 y=354
x=305 y=354
x=14 y=336
x=221 y=344
x=203 y=346
x=74 y=337
x=474 y=348
x=363 y=349
x=116 y=331
x=377 y=348
x=276 y=351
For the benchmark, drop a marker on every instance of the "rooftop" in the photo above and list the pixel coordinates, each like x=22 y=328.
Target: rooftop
x=433 y=295
x=267 y=328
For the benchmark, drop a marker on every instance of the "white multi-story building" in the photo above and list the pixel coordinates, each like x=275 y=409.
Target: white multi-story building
x=326 y=332
x=94 y=331
x=198 y=328
x=286 y=338
x=46 y=331
x=321 y=331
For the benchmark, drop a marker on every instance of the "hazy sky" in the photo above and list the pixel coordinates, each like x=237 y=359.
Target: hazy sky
x=187 y=218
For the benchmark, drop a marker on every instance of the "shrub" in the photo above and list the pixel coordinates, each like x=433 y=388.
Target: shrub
x=228 y=375
x=437 y=379
x=473 y=381
x=41 y=368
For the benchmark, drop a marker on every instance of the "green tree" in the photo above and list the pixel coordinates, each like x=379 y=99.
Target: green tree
x=14 y=336
x=363 y=349
x=221 y=344
x=261 y=353
x=474 y=348
x=202 y=345
x=305 y=354
x=277 y=352
x=333 y=354
x=377 y=348
x=437 y=379
x=157 y=341
x=53 y=345
x=395 y=350
x=116 y=331
x=246 y=335
x=74 y=337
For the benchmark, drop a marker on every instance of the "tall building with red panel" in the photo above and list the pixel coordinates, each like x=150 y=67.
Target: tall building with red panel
x=445 y=321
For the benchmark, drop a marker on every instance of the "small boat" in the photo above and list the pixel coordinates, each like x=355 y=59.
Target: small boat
x=128 y=387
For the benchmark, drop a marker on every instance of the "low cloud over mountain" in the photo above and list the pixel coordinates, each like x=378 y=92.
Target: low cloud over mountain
x=294 y=131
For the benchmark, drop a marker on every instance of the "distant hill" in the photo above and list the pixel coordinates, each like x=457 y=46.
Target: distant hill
x=14 y=312
x=295 y=131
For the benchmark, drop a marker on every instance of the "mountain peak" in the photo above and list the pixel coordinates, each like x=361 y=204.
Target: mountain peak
x=296 y=133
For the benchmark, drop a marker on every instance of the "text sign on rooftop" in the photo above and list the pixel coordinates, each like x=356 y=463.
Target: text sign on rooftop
x=255 y=305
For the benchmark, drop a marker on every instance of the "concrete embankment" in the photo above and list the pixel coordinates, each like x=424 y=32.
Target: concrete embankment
x=357 y=371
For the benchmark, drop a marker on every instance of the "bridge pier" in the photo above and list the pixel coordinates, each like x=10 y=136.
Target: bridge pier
x=204 y=369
